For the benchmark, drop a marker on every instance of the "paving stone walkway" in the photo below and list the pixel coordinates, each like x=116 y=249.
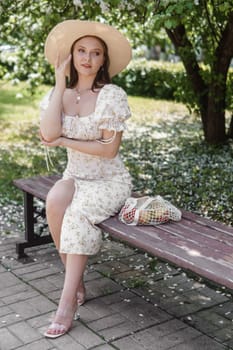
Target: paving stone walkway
x=135 y=302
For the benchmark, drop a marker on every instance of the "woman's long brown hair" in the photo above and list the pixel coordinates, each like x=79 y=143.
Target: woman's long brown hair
x=102 y=76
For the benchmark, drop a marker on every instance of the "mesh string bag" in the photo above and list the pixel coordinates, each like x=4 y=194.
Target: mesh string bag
x=148 y=211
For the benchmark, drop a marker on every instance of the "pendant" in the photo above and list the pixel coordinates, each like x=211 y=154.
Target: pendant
x=78 y=98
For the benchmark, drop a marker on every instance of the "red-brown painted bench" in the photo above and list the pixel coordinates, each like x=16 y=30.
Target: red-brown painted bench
x=196 y=244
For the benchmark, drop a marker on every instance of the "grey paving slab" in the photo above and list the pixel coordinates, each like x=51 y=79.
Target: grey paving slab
x=110 y=268
x=46 y=286
x=94 y=310
x=202 y=342
x=41 y=321
x=102 y=286
x=181 y=301
x=127 y=319
x=42 y=273
x=139 y=309
x=7 y=280
x=229 y=344
x=66 y=342
x=11 y=262
x=224 y=335
x=24 y=332
x=8 y=341
x=41 y=344
x=54 y=295
x=2 y=269
x=131 y=279
x=214 y=323
x=133 y=302
x=33 y=307
x=128 y=343
x=113 y=320
x=85 y=336
x=26 y=293
x=225 y=309
x=104 y=347
x=123 y=295
x=4 y=310
x=9 y=319
x=50 y=283
x=29 y=268
x=170 y=335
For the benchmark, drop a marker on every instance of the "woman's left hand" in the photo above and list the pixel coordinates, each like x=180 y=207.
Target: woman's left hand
x=55 y=143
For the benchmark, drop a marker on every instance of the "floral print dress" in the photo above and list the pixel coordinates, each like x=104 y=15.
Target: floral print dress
x=101 y=184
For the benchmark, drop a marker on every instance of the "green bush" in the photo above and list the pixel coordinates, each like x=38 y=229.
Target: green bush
x=164 y=80
x=157 y=79
x=151 y=79
x=163 y=150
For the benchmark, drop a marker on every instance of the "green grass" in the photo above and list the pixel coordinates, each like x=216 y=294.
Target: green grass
x=163 y=149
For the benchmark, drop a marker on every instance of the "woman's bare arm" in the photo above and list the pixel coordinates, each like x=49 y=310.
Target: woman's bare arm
x=95 y=148
x=51 y=118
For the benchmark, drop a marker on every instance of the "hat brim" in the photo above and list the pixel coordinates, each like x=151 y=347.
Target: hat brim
x=62 y=36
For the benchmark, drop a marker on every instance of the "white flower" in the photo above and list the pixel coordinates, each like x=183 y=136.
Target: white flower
x=104 y=7
x=19 y=95
x=78 y=3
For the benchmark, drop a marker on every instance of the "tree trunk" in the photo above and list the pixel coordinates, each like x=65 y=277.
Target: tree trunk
x=183 y=46
x=214 y=119
x=230 y=131
x=211 y=96
x=214 y=127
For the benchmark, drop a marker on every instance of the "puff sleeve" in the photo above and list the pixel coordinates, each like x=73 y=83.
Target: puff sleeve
x=113 y=109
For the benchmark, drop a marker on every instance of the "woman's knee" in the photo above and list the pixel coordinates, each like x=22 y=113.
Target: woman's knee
x=59 y=197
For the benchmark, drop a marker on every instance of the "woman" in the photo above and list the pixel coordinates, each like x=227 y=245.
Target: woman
x=88 y=119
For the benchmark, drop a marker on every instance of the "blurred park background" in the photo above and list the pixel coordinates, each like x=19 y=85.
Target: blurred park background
x=180 y=87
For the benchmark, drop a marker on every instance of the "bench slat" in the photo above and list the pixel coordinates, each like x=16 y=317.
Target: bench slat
x=215 y=266
x=37 y=186
x=170 y=233
x=198 y=244
x=207 y=222
x=209 y=233
x=185 y=232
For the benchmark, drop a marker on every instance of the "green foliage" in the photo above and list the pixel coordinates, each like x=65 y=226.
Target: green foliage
x=163 y=149
x=25 y=24
x=200 y=30
x=171 y=159
x=164 y=80
x=152 y=79
x=22 y=156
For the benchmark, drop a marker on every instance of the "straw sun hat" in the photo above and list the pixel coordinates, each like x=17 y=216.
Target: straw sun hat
x=62 y=36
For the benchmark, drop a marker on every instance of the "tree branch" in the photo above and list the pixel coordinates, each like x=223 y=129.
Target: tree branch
x=184 y=48
x=215 y=35
x=224 y=51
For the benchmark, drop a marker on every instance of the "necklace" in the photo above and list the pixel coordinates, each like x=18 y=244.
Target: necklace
x=79 y=94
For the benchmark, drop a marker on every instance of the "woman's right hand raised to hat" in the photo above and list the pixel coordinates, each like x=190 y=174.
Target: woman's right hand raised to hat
x=60 y=72
x=51 y=125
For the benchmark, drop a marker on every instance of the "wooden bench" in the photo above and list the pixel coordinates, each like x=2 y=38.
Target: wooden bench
x=196 y=244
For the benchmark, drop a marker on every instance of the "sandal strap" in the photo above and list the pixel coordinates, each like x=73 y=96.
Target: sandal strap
x=81 y=297
x=58 y=327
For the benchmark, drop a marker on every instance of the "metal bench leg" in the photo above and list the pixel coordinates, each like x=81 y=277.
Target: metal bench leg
x=29 y=225
x=31 y=239
x=29 y=217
